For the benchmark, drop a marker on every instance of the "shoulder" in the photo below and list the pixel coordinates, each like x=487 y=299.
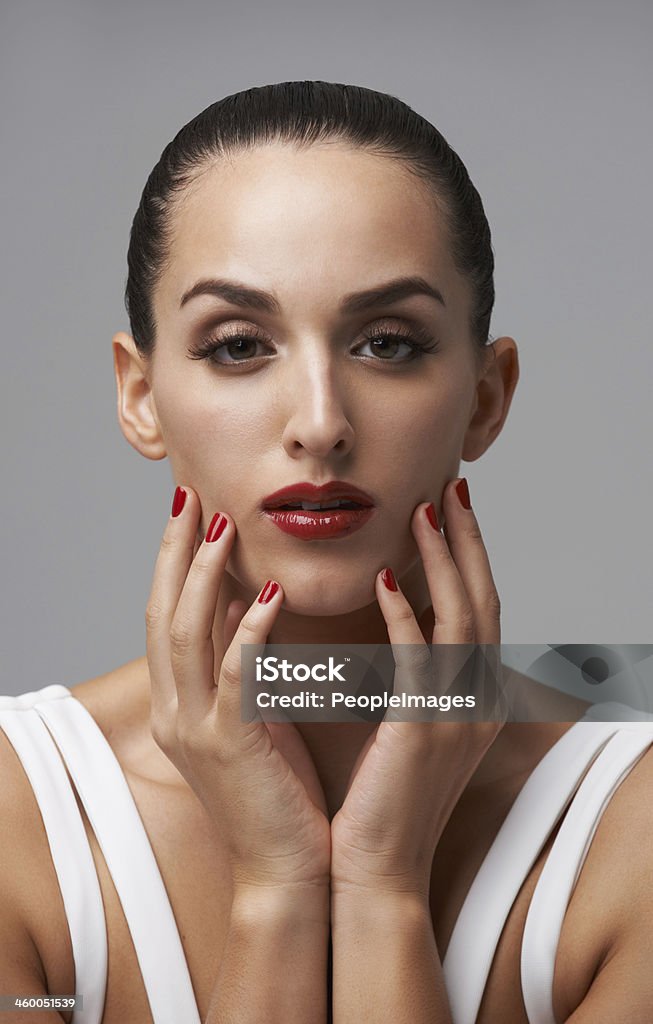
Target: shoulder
x=608 y=928
x=33 y=928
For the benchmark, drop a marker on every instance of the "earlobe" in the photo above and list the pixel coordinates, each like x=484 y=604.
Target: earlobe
x=136 y=409
x=495 y=390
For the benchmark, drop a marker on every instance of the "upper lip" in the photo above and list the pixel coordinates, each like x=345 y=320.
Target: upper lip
x=317 y=492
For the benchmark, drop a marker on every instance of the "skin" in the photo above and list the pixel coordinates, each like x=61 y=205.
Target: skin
x=294 y=853
x=314 y=412
x=331 y=416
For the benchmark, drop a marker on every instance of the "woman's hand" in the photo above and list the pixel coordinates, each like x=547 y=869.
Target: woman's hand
x=268 y=809
x=410 y=774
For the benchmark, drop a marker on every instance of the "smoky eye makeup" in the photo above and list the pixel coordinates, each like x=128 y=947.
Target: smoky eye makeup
x=232 y=344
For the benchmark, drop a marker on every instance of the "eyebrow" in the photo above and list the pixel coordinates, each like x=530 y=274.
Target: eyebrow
x=254 y=298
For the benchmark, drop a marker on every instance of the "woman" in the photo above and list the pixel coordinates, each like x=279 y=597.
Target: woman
x=310 y=289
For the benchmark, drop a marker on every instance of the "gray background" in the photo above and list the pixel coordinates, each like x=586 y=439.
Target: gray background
x=547 y=104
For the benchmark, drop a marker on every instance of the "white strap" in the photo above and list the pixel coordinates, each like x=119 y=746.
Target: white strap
x=71 y=853
x=563 y=865
x=28 y=700
x=121 y=834
x=539 y=805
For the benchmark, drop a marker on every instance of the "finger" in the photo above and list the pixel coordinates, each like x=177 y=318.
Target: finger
x=192 y=653
x=452 y=609
x=412 y=656
x=470 y=555
x=170 y=571
x=397 y=611
x=253 y=630
x=235 y=612
x=420 y=668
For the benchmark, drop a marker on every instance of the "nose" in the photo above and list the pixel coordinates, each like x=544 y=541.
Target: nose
x=317 y=422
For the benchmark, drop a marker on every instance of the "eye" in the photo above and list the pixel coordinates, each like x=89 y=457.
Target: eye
x=385 y=343
x=236 y=343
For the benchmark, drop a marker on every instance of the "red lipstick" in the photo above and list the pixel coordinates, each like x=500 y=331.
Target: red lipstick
x=345 y=509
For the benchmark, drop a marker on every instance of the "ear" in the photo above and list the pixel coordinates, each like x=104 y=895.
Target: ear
x=494 y=392
x=136 y=410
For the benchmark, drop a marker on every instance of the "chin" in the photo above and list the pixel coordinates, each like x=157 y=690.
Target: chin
x=340 y=602
x=327 y=594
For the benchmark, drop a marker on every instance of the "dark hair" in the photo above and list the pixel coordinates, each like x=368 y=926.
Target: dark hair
x=301 y=113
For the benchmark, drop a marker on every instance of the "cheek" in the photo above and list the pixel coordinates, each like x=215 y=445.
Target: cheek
x=211 y=438
x=424 y=437
x=192 y=423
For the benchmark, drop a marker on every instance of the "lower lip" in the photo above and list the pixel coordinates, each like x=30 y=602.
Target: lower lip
x=324 y=525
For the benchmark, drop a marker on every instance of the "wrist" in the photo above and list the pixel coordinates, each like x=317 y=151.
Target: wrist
x=357 y=909
x=274 y=905
x=363 y=885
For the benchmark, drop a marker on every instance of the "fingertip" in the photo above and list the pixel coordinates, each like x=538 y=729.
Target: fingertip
x=457 y=494
x=270 y=590
x=178 y=501
x=388 y=579
x=426 y=513
x=220 y=527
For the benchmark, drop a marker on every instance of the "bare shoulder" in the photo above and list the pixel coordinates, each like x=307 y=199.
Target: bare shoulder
x=34 y=937
x=118 y=700
x=609 y=923
x=35 y=946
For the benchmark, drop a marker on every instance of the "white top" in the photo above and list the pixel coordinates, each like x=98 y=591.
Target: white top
x=34 y=723
x=45 y=723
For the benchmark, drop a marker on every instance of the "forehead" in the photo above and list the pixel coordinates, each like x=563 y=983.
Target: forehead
x=325 y=219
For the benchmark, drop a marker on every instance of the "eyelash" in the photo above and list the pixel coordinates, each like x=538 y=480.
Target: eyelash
x=419 y=340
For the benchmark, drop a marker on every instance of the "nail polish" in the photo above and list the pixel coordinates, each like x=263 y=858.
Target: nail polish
x=388 y=578
x=432 y=517
x=462 y=490
x=268 y=592
x=178 y=501
x=216 y=527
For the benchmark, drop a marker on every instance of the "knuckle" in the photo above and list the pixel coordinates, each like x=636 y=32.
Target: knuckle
x=230 y=672
x=467 y=624
x=249 y=629
x=404 y=613
x=169 y=542
x=182 y=639
x=201 y=569
x=185 y=736
x=154 y=613
x=163 y=735
x=417 y=657
x=473 y=531
x=197 y=743
x=493 y=603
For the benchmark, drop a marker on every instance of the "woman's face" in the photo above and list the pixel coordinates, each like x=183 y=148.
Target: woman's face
x=310 y=398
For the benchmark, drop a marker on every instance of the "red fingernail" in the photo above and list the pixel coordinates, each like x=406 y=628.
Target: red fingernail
x=268 y=592
x=388 y=578
x=432 y=518
x=216 y=526
x=178 y=501
x=462 y=490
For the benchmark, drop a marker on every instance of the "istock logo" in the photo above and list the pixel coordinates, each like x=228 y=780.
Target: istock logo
x=270 y=669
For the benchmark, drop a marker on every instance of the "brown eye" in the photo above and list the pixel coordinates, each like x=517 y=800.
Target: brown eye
x=385 y=343
x=387 y=346
x=238 y=347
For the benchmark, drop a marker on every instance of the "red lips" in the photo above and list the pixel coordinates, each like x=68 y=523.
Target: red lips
x=319 y=524
x=295 y=493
